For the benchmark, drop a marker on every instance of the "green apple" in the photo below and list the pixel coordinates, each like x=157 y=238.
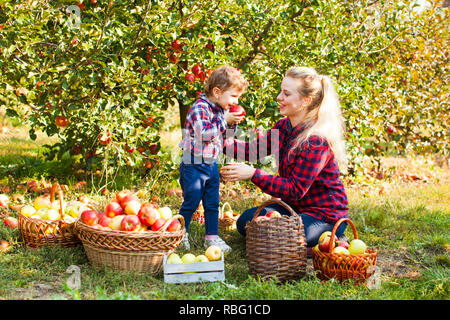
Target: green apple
x=188 y=258
x=28 y=210
x=42 y=213
x=174 y=259
x=201 y=258
x=52 y=214
x=341 y=250
x=165 y=213
x=357 y=247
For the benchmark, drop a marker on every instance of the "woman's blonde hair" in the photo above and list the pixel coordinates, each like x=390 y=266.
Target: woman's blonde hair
x=323 y=115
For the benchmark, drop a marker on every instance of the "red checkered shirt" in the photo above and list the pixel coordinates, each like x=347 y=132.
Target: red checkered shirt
x=308 y=178
x=205 y=124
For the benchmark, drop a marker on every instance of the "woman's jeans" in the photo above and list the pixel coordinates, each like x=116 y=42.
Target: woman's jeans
x=200 y=182
x=313 y=227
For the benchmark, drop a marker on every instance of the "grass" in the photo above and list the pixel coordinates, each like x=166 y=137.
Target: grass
x=407 y=223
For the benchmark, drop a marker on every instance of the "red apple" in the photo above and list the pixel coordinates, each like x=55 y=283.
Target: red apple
x=132 y=207
x=10 y=222
x=61 y=121
x=89 y=217
x=104 y=221
x=148 y=214
x=130 y=223
x=237 y=108
x=343 y=243
x=4 y=246
x=175 y=225
x=197 y=69
x=273 y=214
x=324 y=246
x=121 y=195
x=113 y=209
x=158 y=224
x=129 y=197
x=177 y=45
x=105 y=138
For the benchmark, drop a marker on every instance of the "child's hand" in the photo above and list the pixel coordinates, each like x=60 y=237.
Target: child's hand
x=233 y=118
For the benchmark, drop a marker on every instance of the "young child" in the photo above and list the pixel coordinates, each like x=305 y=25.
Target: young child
x=202 y=143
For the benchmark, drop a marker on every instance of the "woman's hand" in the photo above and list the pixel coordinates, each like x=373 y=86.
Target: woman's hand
x=232 y=118
x=237 y=171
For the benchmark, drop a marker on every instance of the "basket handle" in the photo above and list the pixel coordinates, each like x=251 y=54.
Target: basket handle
x=336 y=226
x=266 y=203
x=223 y=209
x=168 y=222
x=57 y=188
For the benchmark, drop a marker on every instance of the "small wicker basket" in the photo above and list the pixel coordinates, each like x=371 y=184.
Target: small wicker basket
x=341 y=266
x=276 y=247
x=128 y=250
x=227 y=223
x=37 y=233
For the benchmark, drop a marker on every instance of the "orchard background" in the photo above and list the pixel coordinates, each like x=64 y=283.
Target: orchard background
x=102 y=87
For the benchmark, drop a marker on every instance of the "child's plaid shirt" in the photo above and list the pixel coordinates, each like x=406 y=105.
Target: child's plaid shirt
x=205 y=124
x=308 y=178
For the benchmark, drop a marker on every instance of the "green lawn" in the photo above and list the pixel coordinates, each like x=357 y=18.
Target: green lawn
x=407 y=223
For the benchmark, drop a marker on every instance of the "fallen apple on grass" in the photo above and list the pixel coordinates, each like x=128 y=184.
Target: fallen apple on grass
x=4 y=246
x=10 y=222
x=213 y=253
x=4 y=200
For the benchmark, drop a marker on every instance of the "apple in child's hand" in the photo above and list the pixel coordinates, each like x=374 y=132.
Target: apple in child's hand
x=159 y=223
x=89 y=217
x=130 y=223
x=113 y=209
x=273 y=214
x=10 y=222
x=213 y=253
x=237 y=108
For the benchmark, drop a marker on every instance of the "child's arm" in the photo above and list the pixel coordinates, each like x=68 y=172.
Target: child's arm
x=264 y=145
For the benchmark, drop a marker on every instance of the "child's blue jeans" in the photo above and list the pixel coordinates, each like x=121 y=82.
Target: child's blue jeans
x=200 y=182
x=313 y=227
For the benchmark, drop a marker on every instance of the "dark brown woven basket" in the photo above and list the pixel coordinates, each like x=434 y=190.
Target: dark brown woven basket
x=37 y=233
x=276 y=247
x=128 y=250
x=358 y=267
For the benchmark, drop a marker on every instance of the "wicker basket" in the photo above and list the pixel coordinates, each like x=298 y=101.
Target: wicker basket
x=199 y=215
x=227 y=223
x=341 y=266
x=128 y=250
x=276 y=247
x=40 y=232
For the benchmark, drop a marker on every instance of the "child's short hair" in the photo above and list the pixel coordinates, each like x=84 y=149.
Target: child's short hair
x=224 y=78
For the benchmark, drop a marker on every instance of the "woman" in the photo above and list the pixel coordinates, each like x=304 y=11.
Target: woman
x=310 y=146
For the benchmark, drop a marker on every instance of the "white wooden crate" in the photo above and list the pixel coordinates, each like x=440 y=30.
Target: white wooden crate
x=198 y=271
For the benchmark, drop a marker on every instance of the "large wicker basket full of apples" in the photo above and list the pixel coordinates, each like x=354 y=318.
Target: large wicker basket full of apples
x=130 y=234
x=49 y=221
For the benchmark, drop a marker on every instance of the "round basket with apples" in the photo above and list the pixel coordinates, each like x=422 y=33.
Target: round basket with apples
x=276 y=245
x=199 y=215
x=46 y=222
x=130 y=234
x=227 y=218
x=334 y=258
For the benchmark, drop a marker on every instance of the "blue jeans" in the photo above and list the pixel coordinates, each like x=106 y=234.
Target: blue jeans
x=200 y=182
x=313 y=227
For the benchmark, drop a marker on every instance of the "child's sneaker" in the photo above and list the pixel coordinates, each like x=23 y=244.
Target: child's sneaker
x=185 y=242
x=217 y=242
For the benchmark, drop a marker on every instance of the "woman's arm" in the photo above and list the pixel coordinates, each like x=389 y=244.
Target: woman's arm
x=309 y=164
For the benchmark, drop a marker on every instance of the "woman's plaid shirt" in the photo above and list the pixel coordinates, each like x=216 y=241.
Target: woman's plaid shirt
x=308 y=178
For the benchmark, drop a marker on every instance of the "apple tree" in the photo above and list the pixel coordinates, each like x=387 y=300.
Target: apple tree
x=100 y=74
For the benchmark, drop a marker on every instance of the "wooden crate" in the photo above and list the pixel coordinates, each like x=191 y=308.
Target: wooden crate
x=197 y=271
